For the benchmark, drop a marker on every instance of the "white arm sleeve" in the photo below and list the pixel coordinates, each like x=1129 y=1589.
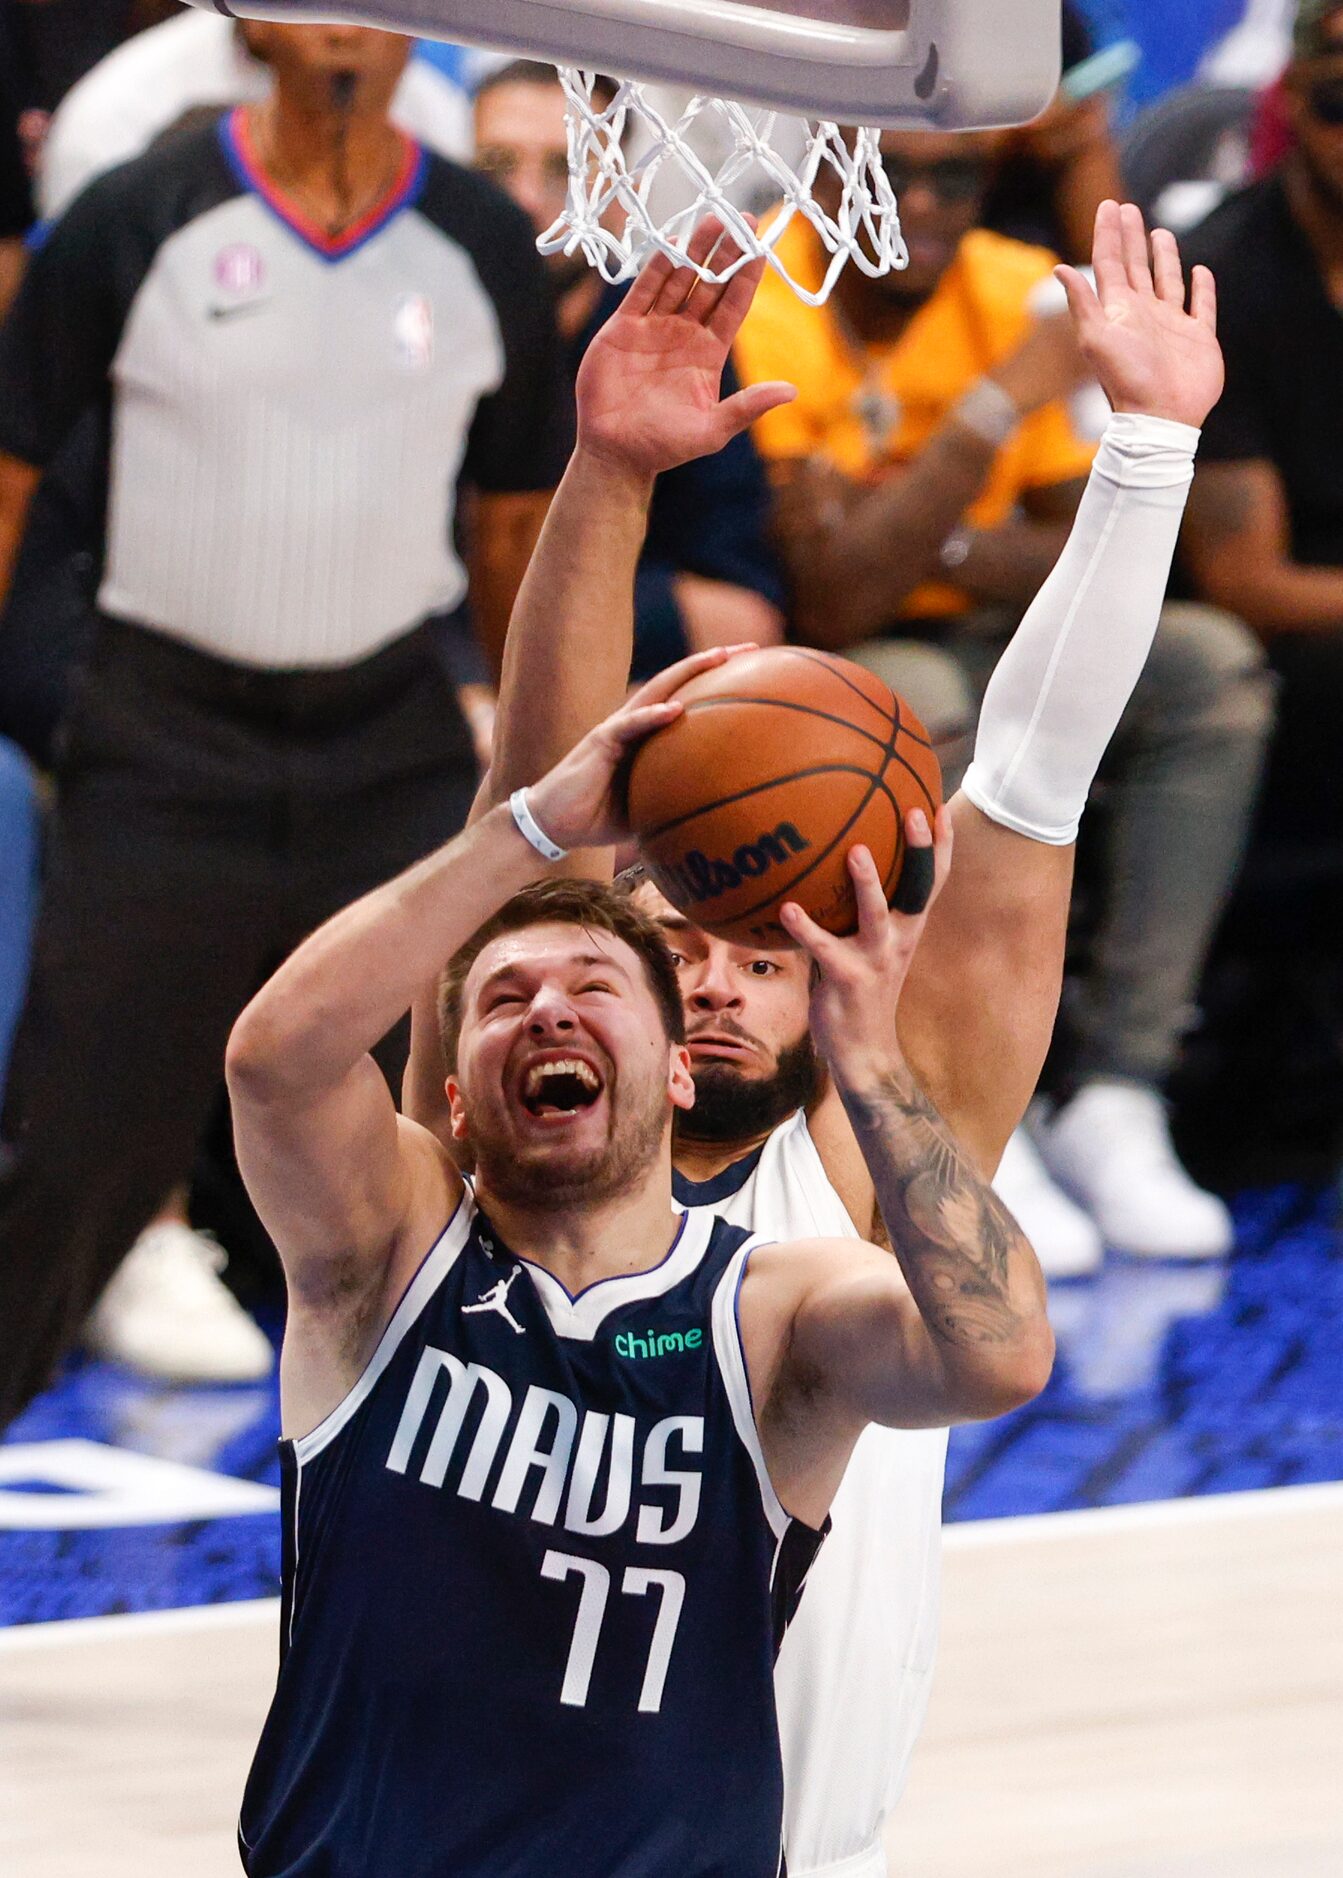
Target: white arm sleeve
x=1061 y=686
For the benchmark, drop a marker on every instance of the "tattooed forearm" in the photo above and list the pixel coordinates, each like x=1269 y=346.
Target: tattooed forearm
x=970 y=1267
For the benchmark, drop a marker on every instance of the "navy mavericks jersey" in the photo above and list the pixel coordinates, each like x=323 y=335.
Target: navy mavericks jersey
x=534 y=1582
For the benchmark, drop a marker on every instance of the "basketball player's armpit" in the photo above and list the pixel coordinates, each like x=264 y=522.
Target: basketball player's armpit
x=971 y=1270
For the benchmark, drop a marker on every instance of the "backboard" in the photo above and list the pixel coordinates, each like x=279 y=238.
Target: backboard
x=952 y=64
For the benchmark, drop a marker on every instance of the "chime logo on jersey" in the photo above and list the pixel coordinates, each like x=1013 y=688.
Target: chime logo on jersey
x=543 y=1456
x=658 y=1342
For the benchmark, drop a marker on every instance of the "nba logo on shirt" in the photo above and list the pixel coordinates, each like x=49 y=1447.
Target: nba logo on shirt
x=238 y=270
x=415 y=332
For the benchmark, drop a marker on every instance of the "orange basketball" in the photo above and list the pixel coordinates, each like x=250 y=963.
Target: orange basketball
x=782 y=761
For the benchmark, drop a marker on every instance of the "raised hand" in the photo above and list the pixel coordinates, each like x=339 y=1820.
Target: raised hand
x=649 y=385
x=1150 y=354
x=577 y=803
x=859 y=979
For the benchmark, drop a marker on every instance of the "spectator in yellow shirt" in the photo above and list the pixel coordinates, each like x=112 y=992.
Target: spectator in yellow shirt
x=925 y=478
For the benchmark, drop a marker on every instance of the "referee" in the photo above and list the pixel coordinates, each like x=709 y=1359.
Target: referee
x=302 y=332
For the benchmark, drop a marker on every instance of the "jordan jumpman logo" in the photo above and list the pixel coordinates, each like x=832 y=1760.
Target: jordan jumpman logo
x=496 y=1299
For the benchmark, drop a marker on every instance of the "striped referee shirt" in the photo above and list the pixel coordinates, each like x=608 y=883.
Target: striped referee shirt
x=288 y=415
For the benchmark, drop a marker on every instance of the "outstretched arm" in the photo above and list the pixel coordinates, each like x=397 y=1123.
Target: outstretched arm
x=979 y=1008
x=648 y=399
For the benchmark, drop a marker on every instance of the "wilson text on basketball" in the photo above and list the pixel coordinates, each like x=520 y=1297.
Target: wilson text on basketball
x=700 y=878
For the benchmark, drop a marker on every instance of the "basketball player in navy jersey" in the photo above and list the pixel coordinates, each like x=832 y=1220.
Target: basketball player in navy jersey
x=556 y=1456
x=769 y=1143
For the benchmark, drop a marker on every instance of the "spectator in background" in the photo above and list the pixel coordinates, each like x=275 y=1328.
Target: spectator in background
x=708 y=575
x=927 y=472
x=1052 y=175
x=16 y=201
x=1265 y=526
x=304 y=330
x=194 y=60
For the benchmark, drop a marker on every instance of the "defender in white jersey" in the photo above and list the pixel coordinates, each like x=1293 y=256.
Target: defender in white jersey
x=854 y=1670
x=977 y=1010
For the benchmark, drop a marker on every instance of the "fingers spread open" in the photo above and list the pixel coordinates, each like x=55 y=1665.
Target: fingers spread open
x=744 y=407
x=802 y=929
x=1082 y=301
x=734 y=302
x=1203 y=298
x=918 y=875
x=648 y=284
x=1137 y=264
x=868 y=892
x=680 y=279
x=1107 y=252
x=710 y=243
x=1166 y=268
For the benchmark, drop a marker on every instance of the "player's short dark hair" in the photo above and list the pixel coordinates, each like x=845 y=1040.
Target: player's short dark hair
x=537 y=72
x=590 y=904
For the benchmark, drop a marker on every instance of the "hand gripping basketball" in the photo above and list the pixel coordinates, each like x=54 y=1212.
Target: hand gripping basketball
x=859 y=979
x=580 y=803
x=778 y=765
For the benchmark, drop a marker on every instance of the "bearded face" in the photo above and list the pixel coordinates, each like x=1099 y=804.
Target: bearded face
x=733 y=1105
x=746 y=1017
x=566 y=1077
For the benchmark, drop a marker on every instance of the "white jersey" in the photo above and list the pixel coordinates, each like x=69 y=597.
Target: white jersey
x=855 y=1667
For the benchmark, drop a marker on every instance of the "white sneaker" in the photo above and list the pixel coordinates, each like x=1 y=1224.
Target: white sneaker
x=1110 y=1148
x=1066 y=1243
x=169 y=1315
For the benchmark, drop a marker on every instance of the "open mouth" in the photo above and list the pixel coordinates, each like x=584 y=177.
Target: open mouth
x=564 y=1086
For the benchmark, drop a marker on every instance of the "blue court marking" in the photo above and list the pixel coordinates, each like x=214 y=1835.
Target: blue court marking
x=1171 y=1381
x=1174 y=1381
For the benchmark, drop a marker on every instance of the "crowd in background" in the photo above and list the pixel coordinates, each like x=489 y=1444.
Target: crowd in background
x=263 y=515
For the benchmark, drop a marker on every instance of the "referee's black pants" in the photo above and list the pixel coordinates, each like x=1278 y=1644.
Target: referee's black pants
x=208 y=816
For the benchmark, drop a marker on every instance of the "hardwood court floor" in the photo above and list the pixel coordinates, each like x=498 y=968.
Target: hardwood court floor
x=1146 y=1692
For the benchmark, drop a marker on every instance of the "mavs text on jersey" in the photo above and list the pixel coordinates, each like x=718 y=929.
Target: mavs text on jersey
x=535 y=1577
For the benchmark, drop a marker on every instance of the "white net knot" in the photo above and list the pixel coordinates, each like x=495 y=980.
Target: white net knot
x=639 y=184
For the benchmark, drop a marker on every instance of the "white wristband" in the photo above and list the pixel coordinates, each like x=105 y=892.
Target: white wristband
x=531 y=830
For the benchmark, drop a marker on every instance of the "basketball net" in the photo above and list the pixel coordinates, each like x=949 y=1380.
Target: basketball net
x=620 y=211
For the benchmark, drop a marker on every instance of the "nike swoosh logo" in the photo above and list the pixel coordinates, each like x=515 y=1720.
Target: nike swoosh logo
x=230 y=312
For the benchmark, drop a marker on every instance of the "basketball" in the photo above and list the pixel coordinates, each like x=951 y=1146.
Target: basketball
x=782 y=761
